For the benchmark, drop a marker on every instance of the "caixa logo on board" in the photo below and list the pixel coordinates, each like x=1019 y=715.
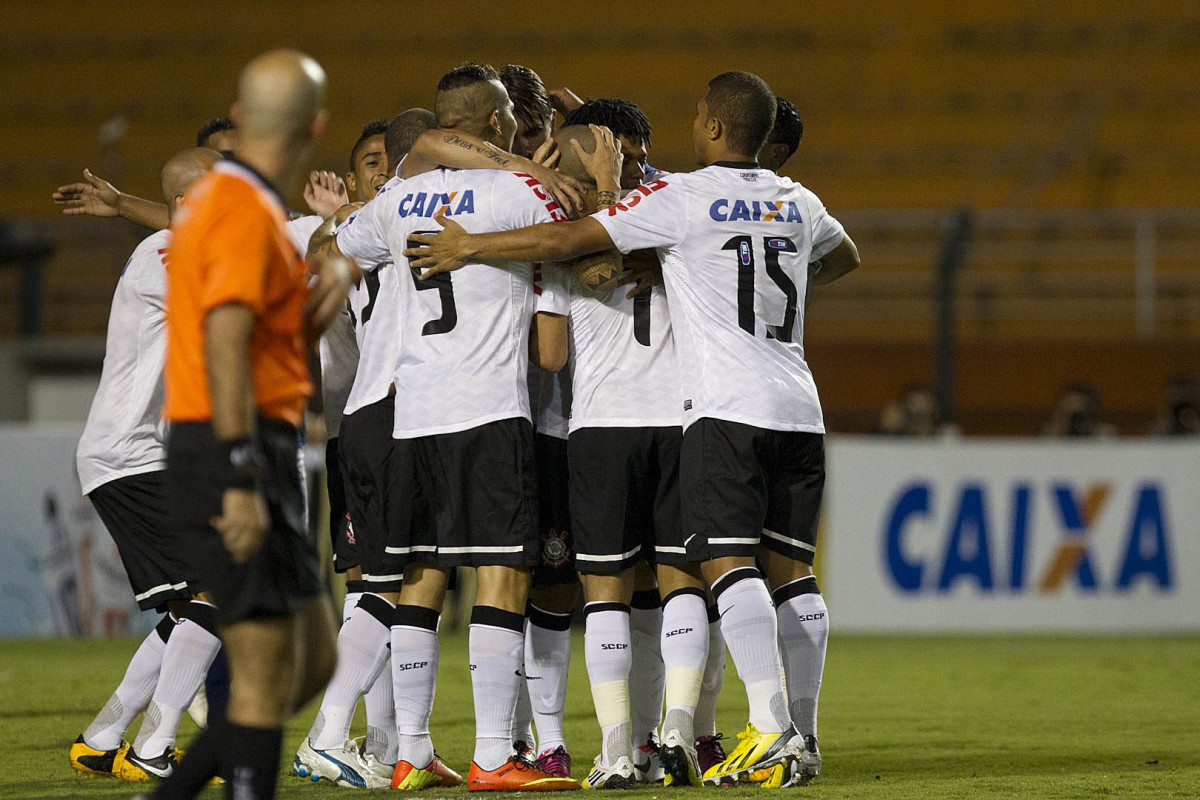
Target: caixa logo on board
x=1028 y=537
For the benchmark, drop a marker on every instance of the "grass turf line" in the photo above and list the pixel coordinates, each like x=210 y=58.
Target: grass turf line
x=901 y=717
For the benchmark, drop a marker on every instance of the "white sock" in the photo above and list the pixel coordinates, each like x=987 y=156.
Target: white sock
x=803 y=634
x=349 y=604
x=133 y=693
x=362 y=653
x=188 y=655
x=381 y=717
x=646 y=693
x=414 y=679
x=607 y=651
x=684 y=652
x=749 y=626
x=497 y=650
x=714 y=678
x=547 y=662
x=522 y=724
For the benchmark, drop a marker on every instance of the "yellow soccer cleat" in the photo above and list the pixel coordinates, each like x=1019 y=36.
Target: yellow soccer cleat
x=409 y=778
x=756 y=752
x=92 y=763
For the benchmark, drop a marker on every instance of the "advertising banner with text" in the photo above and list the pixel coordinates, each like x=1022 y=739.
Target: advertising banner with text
x=1012 y=535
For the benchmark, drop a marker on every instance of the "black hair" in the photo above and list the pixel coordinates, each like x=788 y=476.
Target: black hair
x=745 y=105
x=621 y=117
x=531 y=102
x=467 y=74
x=213 y=126
x=376 y=127
x=402 y=133
x=789 y=128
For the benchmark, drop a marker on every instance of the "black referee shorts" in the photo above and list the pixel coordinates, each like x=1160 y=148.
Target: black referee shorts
x=285 y=571
x=744 y=486
x=134 y=510
x=625 y=497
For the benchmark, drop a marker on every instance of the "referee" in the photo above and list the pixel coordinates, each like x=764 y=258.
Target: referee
x=239 y=309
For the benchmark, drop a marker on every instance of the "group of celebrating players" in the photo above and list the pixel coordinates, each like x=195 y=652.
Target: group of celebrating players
x=538 y=357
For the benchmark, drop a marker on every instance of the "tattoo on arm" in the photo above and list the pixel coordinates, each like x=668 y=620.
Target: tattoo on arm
x=491 y=154
x=606 y=199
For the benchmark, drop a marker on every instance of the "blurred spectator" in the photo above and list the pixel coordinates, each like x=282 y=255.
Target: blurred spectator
x=916 y=413
x=1179 y=410
x=1077 y=414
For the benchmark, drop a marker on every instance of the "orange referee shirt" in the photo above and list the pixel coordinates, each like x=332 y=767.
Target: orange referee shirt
x=229 y=245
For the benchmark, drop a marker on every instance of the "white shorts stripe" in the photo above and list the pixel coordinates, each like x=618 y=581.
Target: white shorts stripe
x=166 y=587
x=668 y=549
x=734 y=540
x=429 y=548
x=789 y=540
x=417 y=548
x=382 y=578
x=615 y=557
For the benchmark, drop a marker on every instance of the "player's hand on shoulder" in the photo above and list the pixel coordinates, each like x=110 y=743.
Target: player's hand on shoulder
x=333 y=275
x=433 y=254
x=94 y=196
x=325 y=192
x=563 y=188
x=242 y=524
x=604 y=162
x=643 y=270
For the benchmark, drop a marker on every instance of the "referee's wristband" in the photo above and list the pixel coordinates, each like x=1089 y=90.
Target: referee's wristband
x=240 y=463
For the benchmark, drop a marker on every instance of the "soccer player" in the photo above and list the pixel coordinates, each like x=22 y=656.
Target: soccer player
x=463 y=442
x=737 y=242
x=121 y=459
x=784 y=139
x=239 y=309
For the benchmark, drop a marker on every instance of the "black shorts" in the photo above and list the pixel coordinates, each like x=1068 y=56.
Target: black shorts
x=134 y=509
x=285 y=571
x=341 y=535
x=480 y=488
x=368 y=454
x=625 y=497
x=744 y=486
x=556 y=564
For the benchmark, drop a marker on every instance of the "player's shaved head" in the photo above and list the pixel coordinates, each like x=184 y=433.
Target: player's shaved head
x=402 y=132
x=471 y=98
x=569 y=163
x=280 y=95
x=745 y=105
x=182 y=170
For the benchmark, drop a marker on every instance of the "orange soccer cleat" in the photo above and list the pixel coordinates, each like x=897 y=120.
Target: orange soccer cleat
x=516 y=775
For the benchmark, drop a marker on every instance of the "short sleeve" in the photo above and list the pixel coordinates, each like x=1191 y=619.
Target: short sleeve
x=827 y=232
x=524 y=200
x=363 y=235
x=652 y=215
x=239 y=244
x=550 y=286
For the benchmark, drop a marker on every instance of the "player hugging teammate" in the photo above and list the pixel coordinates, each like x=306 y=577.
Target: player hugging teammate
x=553 y=366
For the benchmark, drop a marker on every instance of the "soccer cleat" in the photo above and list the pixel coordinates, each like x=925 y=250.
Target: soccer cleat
x=618 y=776
x=756 y=752
x=133 y=767
x=342 y=766
x=556 y=762
x=525 y=750
x=377 y=774
x=796 y=771
x=93 y=763
x=810 y=761
x=647 y=766
x=709 y=751
x=447 y=777
x=516 y=775
x=679 y=762
x=408 y=777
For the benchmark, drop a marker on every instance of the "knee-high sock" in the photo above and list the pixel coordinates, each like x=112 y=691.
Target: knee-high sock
x=714 y=677
x=203 y=761
x=751 y=631
x=646 y=693
x=362 y=654
x=522 y=724
x=349 y=604
x=133 y=692
x=684 y=651
x=414 y=679
x=497 y=648
x=803 y=634
x=547 y=662
x=189 y=653
x=607 y=651
x=250 y=761
x=381 y=717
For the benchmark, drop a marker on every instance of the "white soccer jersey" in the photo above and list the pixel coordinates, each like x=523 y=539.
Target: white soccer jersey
x=625 y=369
x=373 y=303
x=464 y=336
x=550 y=392
x=736 y=242
x=125 y=431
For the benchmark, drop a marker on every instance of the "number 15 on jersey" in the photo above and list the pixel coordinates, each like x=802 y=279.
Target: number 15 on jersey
x=779 y=256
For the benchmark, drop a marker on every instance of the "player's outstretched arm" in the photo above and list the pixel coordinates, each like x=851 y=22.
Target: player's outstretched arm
x=441 y=148
x=837 y=262
x=323 y=242
x=325 y=192
x=453 y=247
x=97 y=197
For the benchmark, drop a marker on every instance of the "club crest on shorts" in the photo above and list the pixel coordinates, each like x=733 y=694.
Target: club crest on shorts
x=554 y=548
x=349 y=529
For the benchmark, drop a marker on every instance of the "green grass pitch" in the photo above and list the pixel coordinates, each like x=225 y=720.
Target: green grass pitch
x=946 y=717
